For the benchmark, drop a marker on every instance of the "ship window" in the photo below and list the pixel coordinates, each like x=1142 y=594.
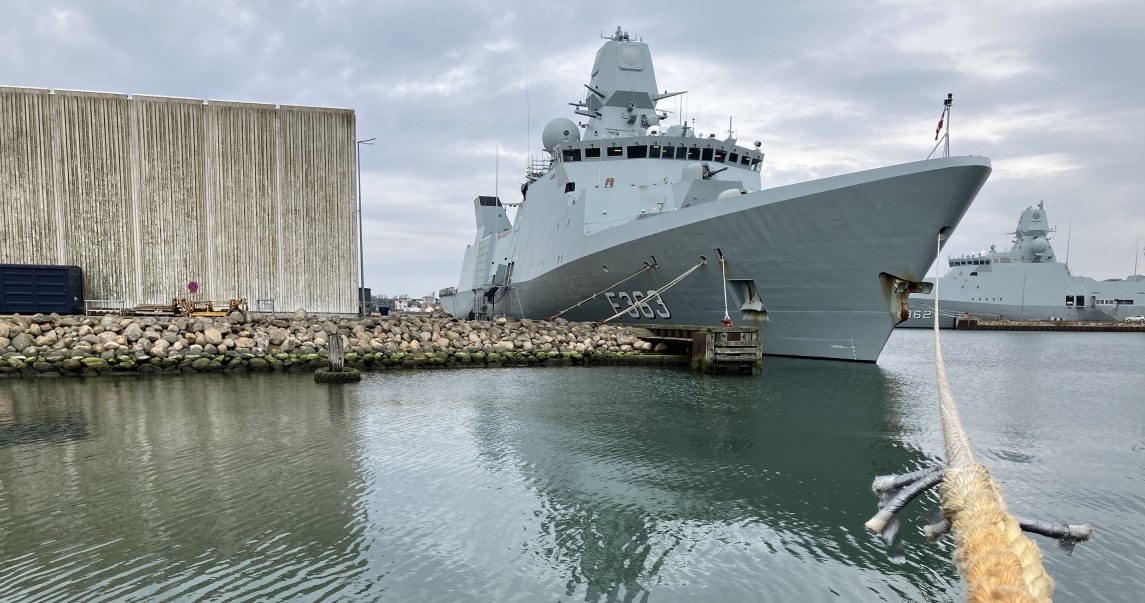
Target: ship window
x=570 y=187
x=707 y=155
x=667 y=153
x=720 y=155
x=683 y=152
x=733 y=158
x=570 y=155
x=637 y=152
x=756 y=163
x=654 y=150
x=693 y=153
x=615 y=151
x=745 y=160
x=1069 y=300
x=592 y=152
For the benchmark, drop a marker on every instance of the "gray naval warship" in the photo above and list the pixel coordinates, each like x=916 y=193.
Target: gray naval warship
x=654 y=225
x=1025 y=283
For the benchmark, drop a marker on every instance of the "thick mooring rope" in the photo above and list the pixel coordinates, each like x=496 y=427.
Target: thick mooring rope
x=646 y=268
x=655 y=294
x=727 y=321
x=998 y=562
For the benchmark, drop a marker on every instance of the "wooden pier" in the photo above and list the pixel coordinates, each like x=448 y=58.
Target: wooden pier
x=711 y=349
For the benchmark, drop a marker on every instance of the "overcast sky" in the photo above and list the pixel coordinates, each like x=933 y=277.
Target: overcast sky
x=1053 y=92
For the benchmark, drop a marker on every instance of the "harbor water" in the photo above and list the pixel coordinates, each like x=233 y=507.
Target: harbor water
x=562 y=484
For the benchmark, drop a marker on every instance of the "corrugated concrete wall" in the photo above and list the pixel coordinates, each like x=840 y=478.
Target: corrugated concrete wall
x=171 y=215
x=29 y=218
x=148 y=194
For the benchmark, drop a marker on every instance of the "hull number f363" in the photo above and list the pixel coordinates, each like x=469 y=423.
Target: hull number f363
x=637 y=306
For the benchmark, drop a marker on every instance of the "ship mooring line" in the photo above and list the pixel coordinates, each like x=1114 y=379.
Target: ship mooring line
x=727 y=322
x=997 y=561
x=646 y=268
x=656 y=294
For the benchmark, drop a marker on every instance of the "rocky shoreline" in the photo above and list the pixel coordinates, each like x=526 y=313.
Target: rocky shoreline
x=65 y=346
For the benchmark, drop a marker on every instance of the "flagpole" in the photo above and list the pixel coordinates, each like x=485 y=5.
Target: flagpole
x=947 y=104
x=943 y=120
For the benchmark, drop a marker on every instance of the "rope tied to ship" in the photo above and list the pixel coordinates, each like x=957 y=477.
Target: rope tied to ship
x=656 y=294
x=998 y=562
x=727 y=321
x=646 y=268
x=996 y=559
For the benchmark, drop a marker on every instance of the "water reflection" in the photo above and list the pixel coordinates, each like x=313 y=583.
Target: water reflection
x=594 y=484
x=240 y=480
x=36 y=423
x=639 y=474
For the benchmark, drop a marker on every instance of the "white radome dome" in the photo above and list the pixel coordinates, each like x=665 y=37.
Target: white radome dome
x=557 y=131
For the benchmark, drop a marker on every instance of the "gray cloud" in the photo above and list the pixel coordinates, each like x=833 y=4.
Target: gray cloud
x=1051 y=93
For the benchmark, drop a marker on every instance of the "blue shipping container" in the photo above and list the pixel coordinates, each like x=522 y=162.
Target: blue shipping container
x=32 y=288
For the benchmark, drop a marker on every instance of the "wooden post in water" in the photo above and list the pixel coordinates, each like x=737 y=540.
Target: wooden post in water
x=338 y=372
x=337 y=353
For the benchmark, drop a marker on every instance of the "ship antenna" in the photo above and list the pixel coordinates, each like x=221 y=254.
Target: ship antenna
x=1135 y=254
x=1068 y=236
x=528 y=112
x=497 y=174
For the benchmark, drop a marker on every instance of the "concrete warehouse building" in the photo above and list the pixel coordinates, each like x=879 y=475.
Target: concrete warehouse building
x=148 y=194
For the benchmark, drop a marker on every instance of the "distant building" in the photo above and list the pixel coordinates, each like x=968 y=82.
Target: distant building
x=158 y=197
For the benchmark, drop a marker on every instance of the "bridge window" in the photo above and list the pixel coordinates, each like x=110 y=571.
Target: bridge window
x=654 y=150
x=570 y=155
x=592 y=153
x=720 y=155
x=637 y=152
x=745 y=160
x=707 y=155
x=570 y=187
x=667 y=153
x=756 y=164
x=733 y=158
x=693 y=154
x=615 y=152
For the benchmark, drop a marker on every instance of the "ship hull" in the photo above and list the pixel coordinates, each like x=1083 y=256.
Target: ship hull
x=822 y=257
x=1044 y=300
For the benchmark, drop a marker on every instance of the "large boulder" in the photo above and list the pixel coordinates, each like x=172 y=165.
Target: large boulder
x=22 y=341
x=133 y=332
x=212 y=336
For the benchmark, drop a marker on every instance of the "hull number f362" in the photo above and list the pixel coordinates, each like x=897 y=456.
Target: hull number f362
x=637 y=306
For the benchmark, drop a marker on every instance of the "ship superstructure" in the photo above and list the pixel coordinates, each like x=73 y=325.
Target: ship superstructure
x=656 y=225
x=1025 y=283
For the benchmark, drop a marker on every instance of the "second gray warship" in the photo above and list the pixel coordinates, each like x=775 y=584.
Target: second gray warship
x=648 y=223
x=1025 y=283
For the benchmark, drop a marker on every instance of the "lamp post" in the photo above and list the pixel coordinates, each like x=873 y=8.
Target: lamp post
x=361 y=241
